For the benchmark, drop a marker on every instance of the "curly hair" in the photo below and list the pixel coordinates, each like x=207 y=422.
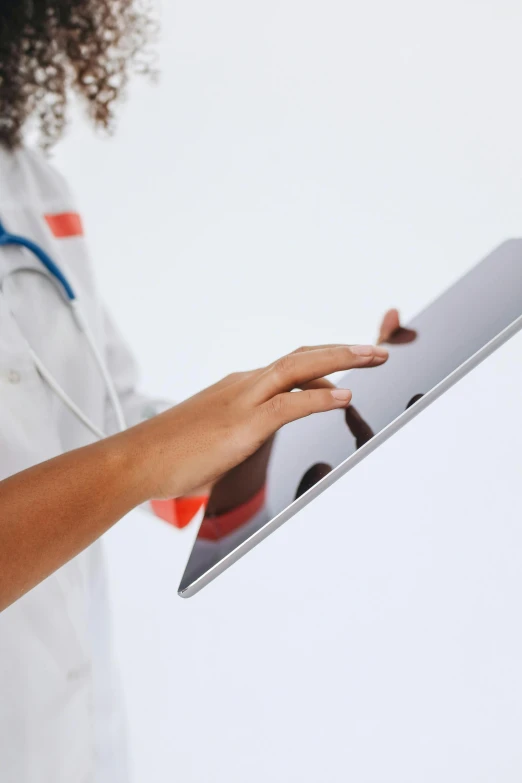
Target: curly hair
x=48 y=47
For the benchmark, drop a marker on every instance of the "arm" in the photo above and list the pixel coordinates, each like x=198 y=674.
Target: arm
x=51 y=512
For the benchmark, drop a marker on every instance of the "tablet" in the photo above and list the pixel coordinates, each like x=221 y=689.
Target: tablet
x=435 y=350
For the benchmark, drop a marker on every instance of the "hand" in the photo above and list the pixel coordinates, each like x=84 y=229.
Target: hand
x=198 y=441
x=244 y=481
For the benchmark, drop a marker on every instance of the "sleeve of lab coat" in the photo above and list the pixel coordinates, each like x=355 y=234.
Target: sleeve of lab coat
x=124 y=372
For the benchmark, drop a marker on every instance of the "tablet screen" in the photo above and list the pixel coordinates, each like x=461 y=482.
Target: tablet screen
x=434 y=344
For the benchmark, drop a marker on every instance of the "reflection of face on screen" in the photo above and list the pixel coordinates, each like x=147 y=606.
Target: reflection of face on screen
x=460 y=323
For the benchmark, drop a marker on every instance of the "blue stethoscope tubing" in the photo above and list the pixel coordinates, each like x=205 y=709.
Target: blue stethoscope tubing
x=8 y=239
x=12 y=239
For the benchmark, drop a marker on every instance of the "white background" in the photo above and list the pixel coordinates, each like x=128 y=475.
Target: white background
x=301 y=167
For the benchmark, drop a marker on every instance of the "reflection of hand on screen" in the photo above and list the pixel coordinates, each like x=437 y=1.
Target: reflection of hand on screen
x=390 y=332
x=360 y=429
x=393 y=333
x=242 y=483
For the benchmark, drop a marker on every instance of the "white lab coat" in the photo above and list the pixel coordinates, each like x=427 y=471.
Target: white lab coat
x=61 y=718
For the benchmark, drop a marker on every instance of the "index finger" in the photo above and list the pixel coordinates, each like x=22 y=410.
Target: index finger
x=296 y=369
x=319 y=383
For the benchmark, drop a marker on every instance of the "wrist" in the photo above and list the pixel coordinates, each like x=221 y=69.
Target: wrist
x=132 y=456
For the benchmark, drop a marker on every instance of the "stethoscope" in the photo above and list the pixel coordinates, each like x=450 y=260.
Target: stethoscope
x=11 y=239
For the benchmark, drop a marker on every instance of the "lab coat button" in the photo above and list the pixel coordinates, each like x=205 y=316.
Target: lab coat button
x=13 y=376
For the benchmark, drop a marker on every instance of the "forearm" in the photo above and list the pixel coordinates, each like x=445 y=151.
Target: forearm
x=51 y=512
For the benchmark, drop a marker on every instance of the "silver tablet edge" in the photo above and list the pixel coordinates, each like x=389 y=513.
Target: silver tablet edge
x=352 y=460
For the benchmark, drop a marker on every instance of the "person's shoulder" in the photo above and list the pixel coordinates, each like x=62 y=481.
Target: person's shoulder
x=27 y=175
x=47 y=180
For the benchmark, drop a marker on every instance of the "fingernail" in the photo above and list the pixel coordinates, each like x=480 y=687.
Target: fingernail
x=381 y=353
x=363 y=350
x=341 y=394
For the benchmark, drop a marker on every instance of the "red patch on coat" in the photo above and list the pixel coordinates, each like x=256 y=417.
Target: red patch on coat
x=65 y=224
